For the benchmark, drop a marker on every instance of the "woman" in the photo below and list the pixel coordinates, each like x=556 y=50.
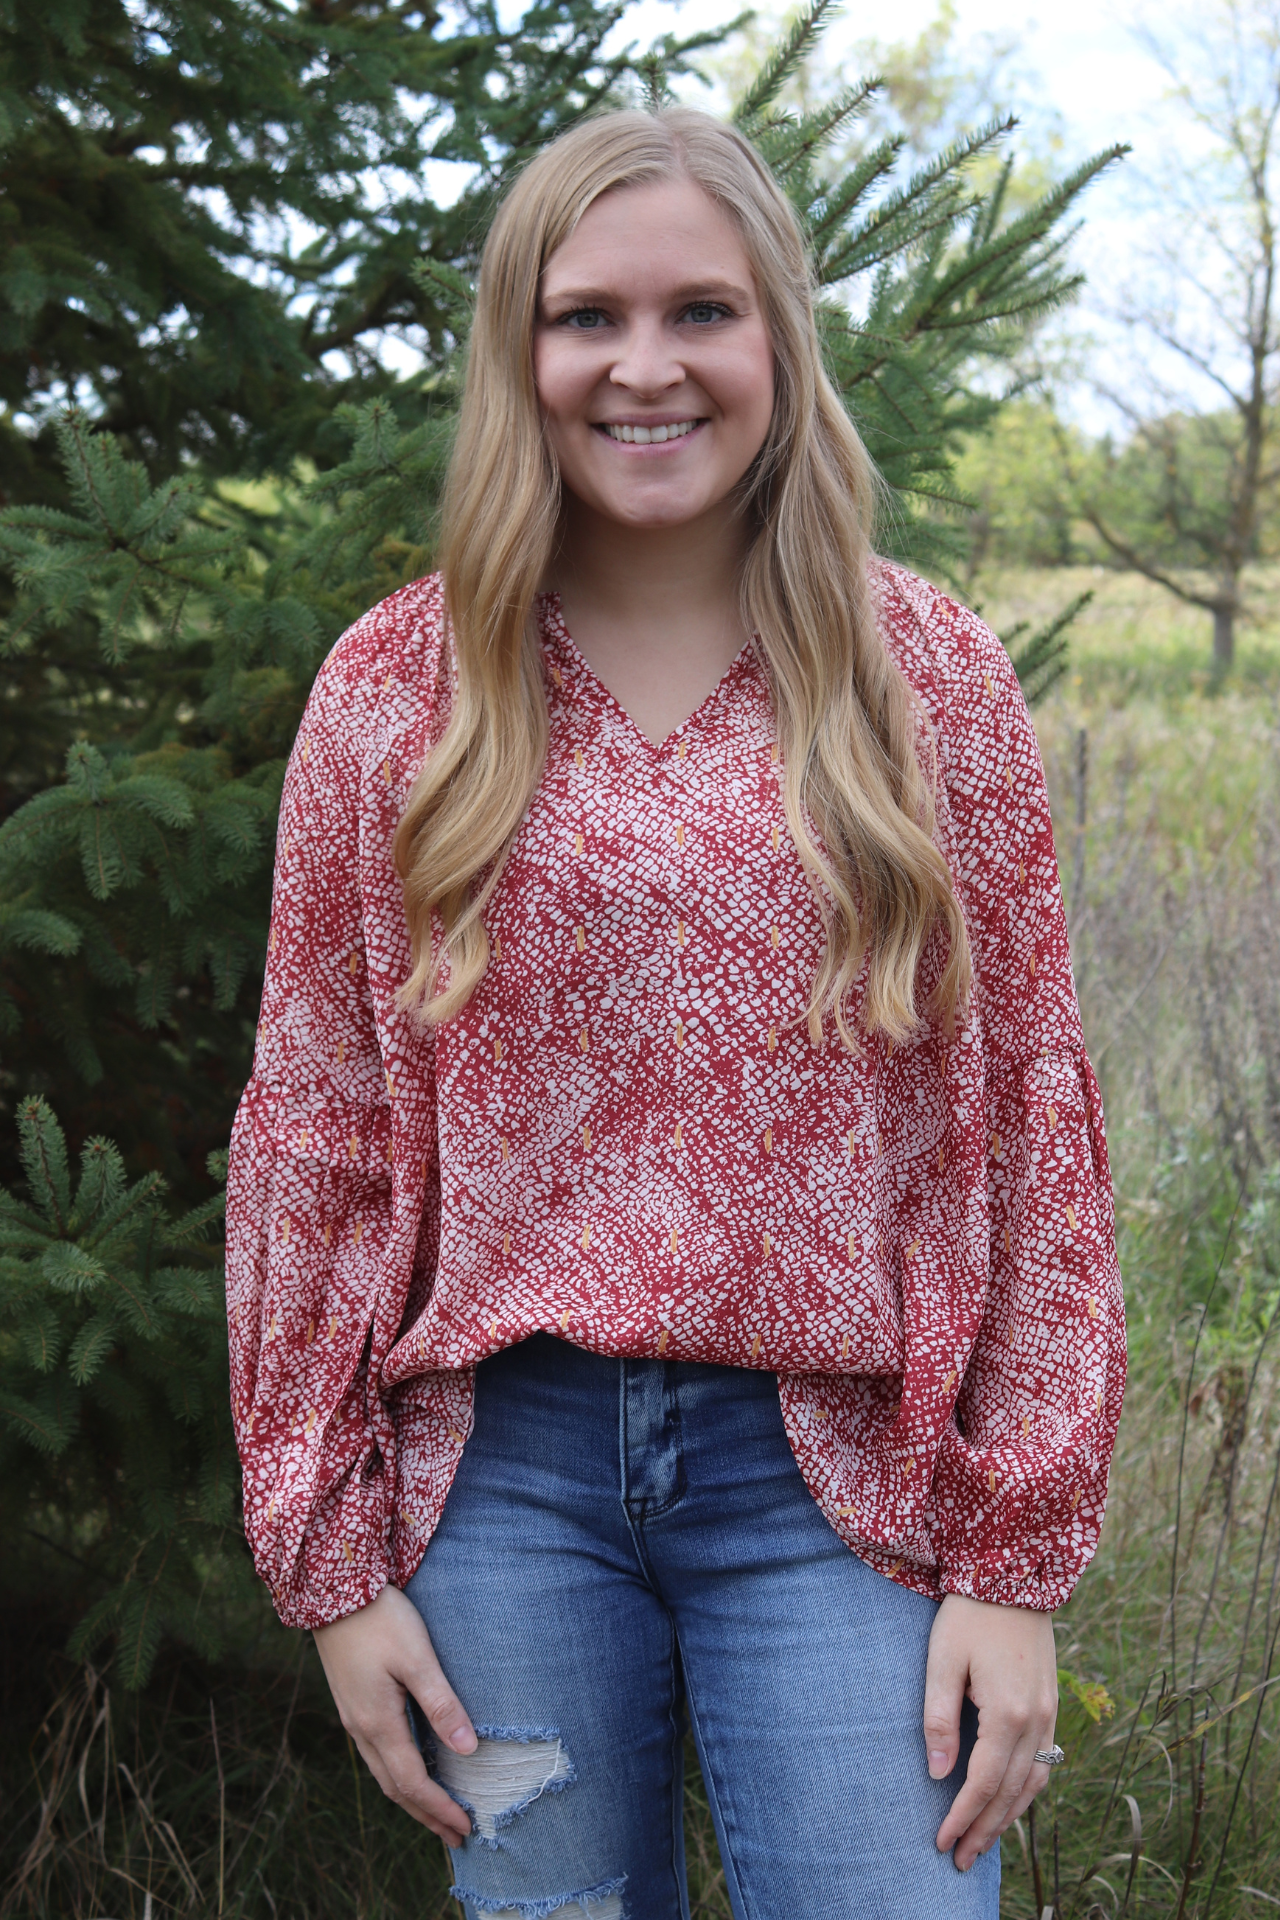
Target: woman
x=672 y=1263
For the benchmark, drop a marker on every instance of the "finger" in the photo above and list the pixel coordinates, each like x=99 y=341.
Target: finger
x=946 y=1676
x=1037 y=1781
x=446 y=1713
x=1000 y=1808
x=988 y=1764
x=400 y=1771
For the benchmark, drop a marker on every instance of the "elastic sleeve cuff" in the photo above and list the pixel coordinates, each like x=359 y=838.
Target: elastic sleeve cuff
x=311 y=1607
x=1041 y=1589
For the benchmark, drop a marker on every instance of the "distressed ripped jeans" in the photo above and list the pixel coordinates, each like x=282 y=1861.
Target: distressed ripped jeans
x=628 y=1541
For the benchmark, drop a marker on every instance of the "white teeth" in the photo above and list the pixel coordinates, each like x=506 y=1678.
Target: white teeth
x=649 y=436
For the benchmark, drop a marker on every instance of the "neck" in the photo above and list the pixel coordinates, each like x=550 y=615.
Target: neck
x=649 y=572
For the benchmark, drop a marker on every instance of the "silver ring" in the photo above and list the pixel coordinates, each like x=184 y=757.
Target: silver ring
x=1050 y=1757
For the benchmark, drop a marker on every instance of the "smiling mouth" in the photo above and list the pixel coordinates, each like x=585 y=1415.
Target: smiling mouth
x=648 y=436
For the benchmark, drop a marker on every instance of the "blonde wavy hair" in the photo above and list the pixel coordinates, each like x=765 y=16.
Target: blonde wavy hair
x=858 y=800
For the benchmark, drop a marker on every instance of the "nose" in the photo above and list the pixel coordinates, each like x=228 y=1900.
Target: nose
x=647 y=361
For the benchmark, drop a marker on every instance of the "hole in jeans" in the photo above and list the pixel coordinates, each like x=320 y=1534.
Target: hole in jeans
x=506 y=1773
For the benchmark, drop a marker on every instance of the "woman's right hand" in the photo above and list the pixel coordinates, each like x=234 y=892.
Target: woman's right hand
x=372 y=1660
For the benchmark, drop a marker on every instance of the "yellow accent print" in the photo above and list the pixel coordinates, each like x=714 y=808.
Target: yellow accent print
x=675 y=1239
x=768 y=1246
x=580 y=938
x=586 y=1139
x=679 y=1033
x=578 y=760
x=1071 y=1218
x=497 y=1049
x=506 y=1243
x=577 y=843
x=774 y=837
x=755 y=1347
x=774 y=936
x=353 y=964
x=844 y=1345
x=772 y=1041
x=679 y=1136
x=852 y=1248
x=284 y=1228
x=680 y=834
x=506 y=1151
x=1026 y=1425
x=768 y=1139
x=679 y=933
x=584 y=1041
x=586 y=1236
x=564 y=1320
x=662 y=1341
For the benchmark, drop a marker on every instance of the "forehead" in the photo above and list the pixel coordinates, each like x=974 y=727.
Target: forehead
x=656 y=230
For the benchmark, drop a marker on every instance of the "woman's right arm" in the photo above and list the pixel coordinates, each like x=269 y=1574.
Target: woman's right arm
x=372 y=1659
x=309 y=1219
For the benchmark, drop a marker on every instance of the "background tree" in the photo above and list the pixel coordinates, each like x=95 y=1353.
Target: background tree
x=1182 y=494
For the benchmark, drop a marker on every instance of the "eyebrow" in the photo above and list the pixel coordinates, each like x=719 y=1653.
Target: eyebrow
x=695 y=290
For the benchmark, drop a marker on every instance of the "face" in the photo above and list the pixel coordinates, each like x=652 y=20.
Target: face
x=652 y=357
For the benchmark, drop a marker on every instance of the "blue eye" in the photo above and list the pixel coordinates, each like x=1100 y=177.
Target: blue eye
x=583 y=320
x=702 y=312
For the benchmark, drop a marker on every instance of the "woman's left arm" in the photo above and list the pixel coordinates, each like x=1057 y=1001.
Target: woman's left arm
x=1004 y=1659
x=1020 y=1483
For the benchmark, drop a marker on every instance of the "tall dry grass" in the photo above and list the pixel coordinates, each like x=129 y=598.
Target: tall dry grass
x=234 y=1793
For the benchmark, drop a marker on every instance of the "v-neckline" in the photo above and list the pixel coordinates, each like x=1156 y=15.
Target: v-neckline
x=554 y=627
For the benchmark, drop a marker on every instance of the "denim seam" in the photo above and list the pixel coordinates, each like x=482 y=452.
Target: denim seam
x=538 y=1909
x=733 y=1886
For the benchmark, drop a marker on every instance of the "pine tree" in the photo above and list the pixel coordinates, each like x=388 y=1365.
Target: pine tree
x=134 y=888
x=116 y=1450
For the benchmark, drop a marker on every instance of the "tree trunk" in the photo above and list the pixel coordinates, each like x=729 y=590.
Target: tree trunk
x=1224 y=638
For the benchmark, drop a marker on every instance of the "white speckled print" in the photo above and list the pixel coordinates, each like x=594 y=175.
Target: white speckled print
x=629 y=1139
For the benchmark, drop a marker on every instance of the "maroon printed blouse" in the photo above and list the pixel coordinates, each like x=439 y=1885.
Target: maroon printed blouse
x=628 y=1138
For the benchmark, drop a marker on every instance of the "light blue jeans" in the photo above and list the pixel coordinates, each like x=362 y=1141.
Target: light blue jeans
x=630 y=1540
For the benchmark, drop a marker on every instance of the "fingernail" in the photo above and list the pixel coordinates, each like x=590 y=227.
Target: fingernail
x=463 y=1739
x=937 y=1765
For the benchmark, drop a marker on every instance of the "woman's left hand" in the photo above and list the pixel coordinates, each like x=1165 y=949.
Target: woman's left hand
x=1004 y=1658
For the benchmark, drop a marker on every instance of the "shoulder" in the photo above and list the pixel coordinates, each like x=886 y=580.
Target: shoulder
x=951 y=657
x=382 y=680
x=400 y=639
